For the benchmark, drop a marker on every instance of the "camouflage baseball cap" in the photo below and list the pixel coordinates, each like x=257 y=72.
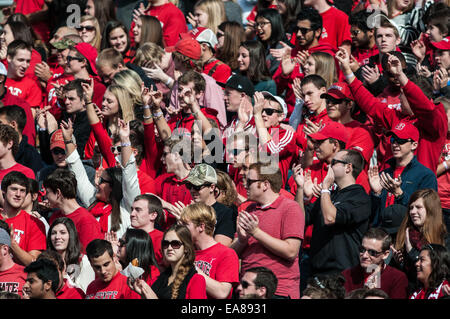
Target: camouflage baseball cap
x=201 y=174
x=63 y=44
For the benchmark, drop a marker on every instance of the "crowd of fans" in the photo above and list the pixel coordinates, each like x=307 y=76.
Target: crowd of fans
x=225 y=149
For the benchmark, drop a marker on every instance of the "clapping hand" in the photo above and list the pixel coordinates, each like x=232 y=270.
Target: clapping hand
x=374 y=179
x=392 y=185
x=280 y=53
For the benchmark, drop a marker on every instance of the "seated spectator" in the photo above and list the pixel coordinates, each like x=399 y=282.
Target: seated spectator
x=42 y=280
x=372 y=272
x=257 y=283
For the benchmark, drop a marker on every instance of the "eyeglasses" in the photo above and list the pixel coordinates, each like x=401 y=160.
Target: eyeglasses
x=371 y=252
x=195 y=187
x=271 y=111
x=251 y=181
x=400 y=141
x=103 y=181
x=89 y=28
x=303 y=30
x=261 y=24
x=335 y=161
x=116 y=148
x=236 y=151
x=70 y=58
x=175 y=244
x=58 y=151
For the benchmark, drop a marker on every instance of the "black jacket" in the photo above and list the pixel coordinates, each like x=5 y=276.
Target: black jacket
x=336 y=247
x=29 y=156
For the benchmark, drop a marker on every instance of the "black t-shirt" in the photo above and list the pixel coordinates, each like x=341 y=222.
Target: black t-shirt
x=225 y=224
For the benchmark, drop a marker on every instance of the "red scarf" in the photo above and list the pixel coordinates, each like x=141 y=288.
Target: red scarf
x=102 y=210
x=416 y=238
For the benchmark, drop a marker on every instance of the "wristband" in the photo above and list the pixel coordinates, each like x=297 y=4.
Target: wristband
x=325 y=191
x=159 y=114
x=146 y=117
x=42 y=129
x=445 y=165
x=69 y=142
x=169 y=80
x=146 y=107
x=125 y=144
x=349 y=76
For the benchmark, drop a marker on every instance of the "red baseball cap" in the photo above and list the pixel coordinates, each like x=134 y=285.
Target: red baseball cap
x=90 y=53
x=405 y=130
x=442 y=45
x=331 y=130
x=339 y=90
x=57 y=140
x=188 y=47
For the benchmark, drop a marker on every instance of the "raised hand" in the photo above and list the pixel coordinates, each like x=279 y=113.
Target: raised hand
x=311 y=127
x=156 y=98
x=67 y=129
x=374 y=179
x=124 y=129
x=370 y=74
x=259 y=103
x=287 y=64
x=392 y=185
x=418 y=49
x=42 y=71
x=88 y=90
x=344 y=60
x=394 y=65
x=280 y=53
x=244 y=111
x=299 y=177
x=328 y=181
x=192 y=20
x=297 y=88
x=440 y=79
x=302 y=56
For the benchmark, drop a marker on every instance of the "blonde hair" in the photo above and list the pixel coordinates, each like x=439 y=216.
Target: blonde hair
x=125 y=101
x=325 y=67
x=97 y=41
x=200 y=213
x=148 y=52
x=131 y=82
x=225 y=185
x=215 y=10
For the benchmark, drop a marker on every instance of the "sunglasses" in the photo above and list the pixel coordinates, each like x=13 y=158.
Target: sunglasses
x=371 y=252
x=195 y=187
x=116 y=148
x=334 y=101
x=58 y=151
x=103 y=181
x=271 y=111
x=336 y=161
x=175 y=244
x=70 y=58
x=251 y=181
x=245 y=284
x=400 y=141
x=303 y=30
x=87 y=28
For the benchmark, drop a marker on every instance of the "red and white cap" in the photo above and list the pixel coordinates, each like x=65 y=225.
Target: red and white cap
x=405 y=130
x=204 y=35
x=339 y=90
x=442 y=45
x=331 y=129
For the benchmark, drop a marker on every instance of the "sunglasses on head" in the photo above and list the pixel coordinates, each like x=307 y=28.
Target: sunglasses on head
x=371 y=252
x=70 y=58
x=271 y=111
x=195 y=187
x=86 y=27
x=116 y=148
x=175 y=244
x=400 y=141
x=58 y=151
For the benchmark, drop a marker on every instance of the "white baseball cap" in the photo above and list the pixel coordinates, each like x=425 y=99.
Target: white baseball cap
x=204 y=35
x=278 y=99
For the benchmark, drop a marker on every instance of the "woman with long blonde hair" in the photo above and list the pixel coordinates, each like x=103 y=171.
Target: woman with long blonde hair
x=180 y=280
x=208 y=14
x=89 y=31
x=322 y=64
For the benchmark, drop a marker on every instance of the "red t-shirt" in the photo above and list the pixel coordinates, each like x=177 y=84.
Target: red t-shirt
x=363 y=55
x=30 y=6
x=444 y=179
x=13 y=279
x=220 y=73
x=28 y=172
x=220 y=263
x=27 y=89
x=69 y=292
x=336 y=28
x=156 y=236
x=29 y=130
x=172 y=21
x=196 y=288
x=87 y=226
x=436 y=294
x=361 y=139
x=29 y=232
x=282 y=219
x=146 y=183
x=117 y=288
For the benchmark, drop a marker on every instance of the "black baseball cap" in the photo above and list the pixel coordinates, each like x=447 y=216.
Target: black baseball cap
x=240 y=83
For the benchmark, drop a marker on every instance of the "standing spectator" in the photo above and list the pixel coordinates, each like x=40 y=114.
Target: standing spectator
x=42 y=280
x=340 y=217
x=270 y=231
x=257 y=283
x=218 y=264
x=12 y=276
x=61 y=189
x=109 y=282
x=180 y=280
x=27 y=232
x=202 y=184
x=372 y=271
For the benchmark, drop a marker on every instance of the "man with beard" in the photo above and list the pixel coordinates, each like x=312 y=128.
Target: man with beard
x=363 y=38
